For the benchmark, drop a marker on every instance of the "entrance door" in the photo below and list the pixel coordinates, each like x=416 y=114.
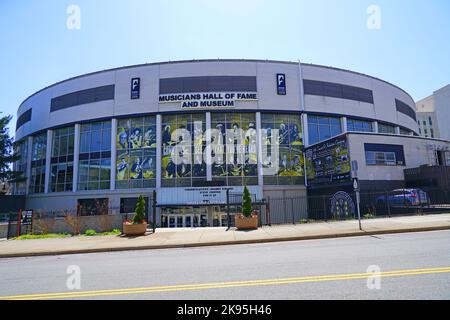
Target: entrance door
x=172 y=221
x=224 y=220
x=180 y=222
x=188 y=221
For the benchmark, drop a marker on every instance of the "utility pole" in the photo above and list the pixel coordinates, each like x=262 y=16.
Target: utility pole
x=154 y=210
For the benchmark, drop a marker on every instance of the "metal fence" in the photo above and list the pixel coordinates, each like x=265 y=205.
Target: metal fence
x=290 y=210
x=342 y=205
x=405 y=202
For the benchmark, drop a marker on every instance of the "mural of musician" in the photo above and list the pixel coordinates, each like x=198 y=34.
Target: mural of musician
x=190 y=163
x=122 y=167
x=240 y=154
x=136 y=153
x=150 y=137
x=290 y=143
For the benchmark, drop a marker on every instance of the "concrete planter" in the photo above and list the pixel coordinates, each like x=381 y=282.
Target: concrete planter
x=135 y=229
x=244 y=223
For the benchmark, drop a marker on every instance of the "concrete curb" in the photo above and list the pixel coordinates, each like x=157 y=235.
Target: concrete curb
x=224 y=243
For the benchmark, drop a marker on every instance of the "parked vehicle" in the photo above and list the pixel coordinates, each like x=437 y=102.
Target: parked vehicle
x=404 y=197
x=4 y=217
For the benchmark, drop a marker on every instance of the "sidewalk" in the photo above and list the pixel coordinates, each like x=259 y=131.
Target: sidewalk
x=181 y=238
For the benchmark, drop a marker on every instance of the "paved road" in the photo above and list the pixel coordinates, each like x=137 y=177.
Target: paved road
x=288 y=270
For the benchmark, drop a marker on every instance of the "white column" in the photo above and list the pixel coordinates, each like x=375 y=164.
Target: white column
x=112 y=177
x=48 y=159
x=305 y=129
x=76 y=156
x=344 y=124
x=397 y=130
x=259 y=150
x=375 y=126
x=29 y=157
x=208 y=143
x=158 y=151
x=302 y=92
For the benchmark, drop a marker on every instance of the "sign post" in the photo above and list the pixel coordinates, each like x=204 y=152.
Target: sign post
x=228 y=209
x=354 y=173
x=154 y=210
x=25 y=222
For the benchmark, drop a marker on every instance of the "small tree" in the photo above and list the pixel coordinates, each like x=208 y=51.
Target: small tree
x=139 y=217
x=246 y=203
x=7 y=157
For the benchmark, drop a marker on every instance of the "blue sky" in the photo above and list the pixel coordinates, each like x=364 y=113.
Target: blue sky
x=411 y=50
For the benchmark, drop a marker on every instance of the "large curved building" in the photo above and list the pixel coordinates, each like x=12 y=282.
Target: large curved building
x=106 y=137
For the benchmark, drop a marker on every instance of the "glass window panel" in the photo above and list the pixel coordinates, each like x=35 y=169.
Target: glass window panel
x=56 y=143
x=63 y=146
x=70 y=147
x=95 y=141
x=83 y=171
x=85 y=142
x=106 y=140
x=85 y=127
x=335 y=130
x=96 y=126
x=107 y=125
x=313 y=132
x=324 y=120
x=324 y=132
x=335 y=121
x=94 y=170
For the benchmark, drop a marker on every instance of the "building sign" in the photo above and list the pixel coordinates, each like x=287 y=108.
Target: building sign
x=26 y=217
x=208 y=99
x=328 y=162
x=135 y=88
x=201 y=195
x=281 y=84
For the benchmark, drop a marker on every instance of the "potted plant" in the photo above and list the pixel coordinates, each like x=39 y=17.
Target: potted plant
x=137 y=226
x=248 y=219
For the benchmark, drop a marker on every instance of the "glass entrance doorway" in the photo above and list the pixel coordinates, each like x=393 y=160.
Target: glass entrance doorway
x=184 y=217
x=195 y=217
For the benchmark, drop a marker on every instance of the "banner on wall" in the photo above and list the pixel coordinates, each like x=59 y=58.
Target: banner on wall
x=281 y=84
x=135 y=88
x=328 y=162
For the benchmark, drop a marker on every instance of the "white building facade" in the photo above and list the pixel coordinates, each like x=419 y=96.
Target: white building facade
x=102 y=139
x=433 y=113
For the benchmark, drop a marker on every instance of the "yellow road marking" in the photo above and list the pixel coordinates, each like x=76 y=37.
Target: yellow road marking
x=219 y=285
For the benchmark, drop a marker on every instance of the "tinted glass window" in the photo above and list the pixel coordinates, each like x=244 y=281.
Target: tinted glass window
x=207 y=84
x=335 y=90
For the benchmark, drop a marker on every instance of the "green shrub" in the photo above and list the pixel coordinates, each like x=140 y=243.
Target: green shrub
x=42 y=236
x=90 y=232
x=139 y=217
x=246 y=203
